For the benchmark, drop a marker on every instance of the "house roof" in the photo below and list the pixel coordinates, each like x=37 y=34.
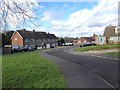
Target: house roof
x=35 y=34
x=88 y=38
x=52 y=36
x=110 y=31
x=32 y=34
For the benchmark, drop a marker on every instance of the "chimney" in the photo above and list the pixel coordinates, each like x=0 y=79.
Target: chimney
x=24 y=30
x=94 y=36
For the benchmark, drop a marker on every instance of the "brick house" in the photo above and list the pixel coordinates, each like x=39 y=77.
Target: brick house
x=38 y=39
x=85 y=39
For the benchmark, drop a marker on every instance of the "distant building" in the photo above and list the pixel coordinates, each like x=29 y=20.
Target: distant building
x=38 y=39
x=85 y=39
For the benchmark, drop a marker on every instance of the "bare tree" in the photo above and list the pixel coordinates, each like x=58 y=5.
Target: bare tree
x=15 y=13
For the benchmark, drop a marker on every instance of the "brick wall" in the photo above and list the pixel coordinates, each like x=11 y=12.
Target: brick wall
x=82 y=40
x=17 y=40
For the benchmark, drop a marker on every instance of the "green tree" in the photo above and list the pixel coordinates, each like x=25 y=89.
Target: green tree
x=62 y=40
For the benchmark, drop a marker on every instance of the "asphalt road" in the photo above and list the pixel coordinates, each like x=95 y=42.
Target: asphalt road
x=85 y=71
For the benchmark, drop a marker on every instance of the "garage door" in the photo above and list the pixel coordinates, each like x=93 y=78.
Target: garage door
x=47 y=45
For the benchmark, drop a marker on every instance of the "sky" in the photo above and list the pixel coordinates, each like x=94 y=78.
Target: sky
x=72 y=19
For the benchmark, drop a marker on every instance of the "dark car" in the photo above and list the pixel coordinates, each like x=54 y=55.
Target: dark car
x=29 y=48
x=87 y=44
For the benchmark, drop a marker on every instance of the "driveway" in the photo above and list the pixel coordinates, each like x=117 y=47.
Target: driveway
x=85 y=71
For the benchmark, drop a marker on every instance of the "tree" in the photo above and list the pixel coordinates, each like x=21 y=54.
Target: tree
x=62 y=40
x=16 y=13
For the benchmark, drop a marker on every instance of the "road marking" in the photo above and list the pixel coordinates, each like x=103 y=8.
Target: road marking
x=105 y=81
x=104 y=57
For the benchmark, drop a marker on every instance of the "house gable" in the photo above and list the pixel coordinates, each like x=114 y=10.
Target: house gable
x=15 y=33
x=17 y=39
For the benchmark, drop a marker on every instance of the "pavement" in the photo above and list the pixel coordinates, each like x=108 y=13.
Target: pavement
x=83 y=70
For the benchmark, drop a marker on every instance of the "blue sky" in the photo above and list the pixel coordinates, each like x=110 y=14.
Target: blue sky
x=66 y=8
x=72 y=19
x=62 y=10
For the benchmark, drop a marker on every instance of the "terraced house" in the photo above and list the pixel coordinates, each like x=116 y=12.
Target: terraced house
x=38 y=39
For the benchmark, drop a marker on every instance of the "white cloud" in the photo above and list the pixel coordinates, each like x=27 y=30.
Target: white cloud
x=88 y=22
x=47 y=16
x=52 y=15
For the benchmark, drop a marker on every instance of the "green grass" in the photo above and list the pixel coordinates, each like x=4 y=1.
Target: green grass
x=114 y=53
x=93 y=48
x=30 y=70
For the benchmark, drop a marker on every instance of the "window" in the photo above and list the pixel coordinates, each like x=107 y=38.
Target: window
x=101 y=39
x=48 y=39
x=39 y=39
x=27 y=40
x=32 y=39
x=43 y=39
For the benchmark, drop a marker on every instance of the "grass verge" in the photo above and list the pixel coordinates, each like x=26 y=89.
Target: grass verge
x=29 y=70
x=94 y=48
x=114 y=53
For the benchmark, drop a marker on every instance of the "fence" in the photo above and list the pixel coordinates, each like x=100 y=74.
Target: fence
x=7 y=50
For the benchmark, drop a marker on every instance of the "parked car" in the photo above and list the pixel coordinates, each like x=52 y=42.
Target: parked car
x=87 y=44
x=29 y=48
x=68 y=44
x=17 y=48
x=61 y=44
x=52 y=47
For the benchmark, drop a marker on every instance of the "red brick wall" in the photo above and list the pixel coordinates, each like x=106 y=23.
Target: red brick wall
x=17 y=40
x=82 y=40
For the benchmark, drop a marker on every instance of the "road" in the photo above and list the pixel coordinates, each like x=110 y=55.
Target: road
x=85 y=71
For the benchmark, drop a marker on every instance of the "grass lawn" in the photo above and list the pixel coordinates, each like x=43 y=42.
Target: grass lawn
x=114 y=53
x=30 y=70
x=94 y=48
